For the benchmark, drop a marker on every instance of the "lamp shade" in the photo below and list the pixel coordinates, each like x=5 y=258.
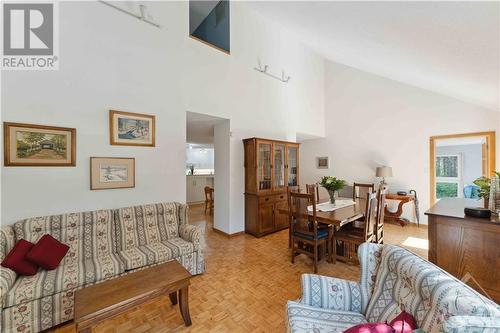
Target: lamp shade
x=384 y=171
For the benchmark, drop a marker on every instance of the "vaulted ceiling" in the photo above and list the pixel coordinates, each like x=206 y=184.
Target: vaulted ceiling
x=448 y=47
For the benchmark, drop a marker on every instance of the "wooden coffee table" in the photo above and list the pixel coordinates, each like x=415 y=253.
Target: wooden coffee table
x=105 y=300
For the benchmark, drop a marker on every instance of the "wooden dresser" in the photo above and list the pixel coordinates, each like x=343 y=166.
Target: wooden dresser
x=466 y=247
x=270 y=167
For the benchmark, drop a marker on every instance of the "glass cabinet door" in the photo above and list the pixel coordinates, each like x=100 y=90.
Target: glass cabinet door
x=279 y=166
x=264 y=174
x=292 y=164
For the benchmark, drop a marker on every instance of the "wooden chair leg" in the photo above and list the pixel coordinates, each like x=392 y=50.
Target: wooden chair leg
x=316 y=258
x=334 y=250
x=293 y=252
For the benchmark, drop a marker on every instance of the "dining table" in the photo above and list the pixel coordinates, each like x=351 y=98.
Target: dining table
x=336 y=218
x=340 y=216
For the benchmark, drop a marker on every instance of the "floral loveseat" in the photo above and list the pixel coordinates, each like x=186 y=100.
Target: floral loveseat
x=103 y=244
x=392 y=278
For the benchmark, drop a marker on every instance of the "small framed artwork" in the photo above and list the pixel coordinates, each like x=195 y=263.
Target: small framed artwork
x=38 y=145
x=112 y=172
x=322 y=162
x=131 y=129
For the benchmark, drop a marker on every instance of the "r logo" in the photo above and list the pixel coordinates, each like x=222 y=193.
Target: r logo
x=28 y=29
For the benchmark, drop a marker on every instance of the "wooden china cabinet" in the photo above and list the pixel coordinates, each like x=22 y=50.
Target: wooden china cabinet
x=270 y=167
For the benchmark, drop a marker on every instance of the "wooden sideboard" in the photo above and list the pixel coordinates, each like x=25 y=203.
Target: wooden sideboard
x=466 y=247
x=270 y=167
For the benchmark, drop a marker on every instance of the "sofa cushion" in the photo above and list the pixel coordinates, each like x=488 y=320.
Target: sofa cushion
x=17 y=259
x=431 y=295
x=146 y=224
x=48 y=252
x=305 y=319
x=88 y=234
x=64 y=277
x=155 y=253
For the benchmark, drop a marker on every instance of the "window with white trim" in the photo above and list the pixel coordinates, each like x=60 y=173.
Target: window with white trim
x=449 y=182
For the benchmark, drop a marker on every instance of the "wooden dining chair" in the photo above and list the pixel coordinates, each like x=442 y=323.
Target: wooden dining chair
x=379 y=223
x=313 y=189
x=350 y=238
x=307 y=238
x=209 y=200
x=359 y=190
x=294 y=188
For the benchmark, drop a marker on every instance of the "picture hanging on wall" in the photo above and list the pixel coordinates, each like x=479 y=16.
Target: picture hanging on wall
x=131 y=129
x=322 y=162
x=38 y=145
x=112 y=172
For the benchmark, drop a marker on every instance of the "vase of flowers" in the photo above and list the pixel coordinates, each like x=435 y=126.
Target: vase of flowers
x=332 y=185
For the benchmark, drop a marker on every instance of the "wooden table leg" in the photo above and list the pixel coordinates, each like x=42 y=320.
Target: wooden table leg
x=173 y=297
x=184 y=305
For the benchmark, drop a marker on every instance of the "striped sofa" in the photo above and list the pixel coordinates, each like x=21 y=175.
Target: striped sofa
x=392 y=278
x=103 y=244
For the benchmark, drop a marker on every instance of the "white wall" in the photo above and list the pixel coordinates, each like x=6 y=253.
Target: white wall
x=110 y=60
x=373 y=121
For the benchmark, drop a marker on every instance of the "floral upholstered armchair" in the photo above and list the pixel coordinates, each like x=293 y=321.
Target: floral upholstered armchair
x=392 y=279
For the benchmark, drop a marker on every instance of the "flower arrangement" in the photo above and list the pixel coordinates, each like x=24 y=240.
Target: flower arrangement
x=332 y=185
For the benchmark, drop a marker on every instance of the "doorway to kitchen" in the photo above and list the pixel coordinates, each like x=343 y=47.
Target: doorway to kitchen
x=207 y=167
x=458 y=162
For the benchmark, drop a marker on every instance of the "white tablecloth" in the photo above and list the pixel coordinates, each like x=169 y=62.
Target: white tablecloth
x=328 y=207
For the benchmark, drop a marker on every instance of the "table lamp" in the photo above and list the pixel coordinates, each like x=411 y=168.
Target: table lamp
x=384 y=172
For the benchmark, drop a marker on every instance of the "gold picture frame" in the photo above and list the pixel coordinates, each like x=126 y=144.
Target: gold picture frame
x=112 y=173
x=38 y=145
x=131 y=129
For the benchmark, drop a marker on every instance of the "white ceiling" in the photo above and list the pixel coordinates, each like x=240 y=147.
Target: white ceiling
x=448 y=47
x=200 y=128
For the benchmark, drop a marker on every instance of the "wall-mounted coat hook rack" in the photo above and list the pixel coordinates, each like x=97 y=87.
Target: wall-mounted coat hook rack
x=141 y=17
x=264 y=70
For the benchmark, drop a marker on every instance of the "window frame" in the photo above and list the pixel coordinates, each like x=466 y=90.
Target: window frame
x=454 y=180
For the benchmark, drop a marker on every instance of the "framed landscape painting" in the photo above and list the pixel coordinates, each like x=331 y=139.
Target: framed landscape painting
x=131 y=129
x=38 y=145
x=112 y=172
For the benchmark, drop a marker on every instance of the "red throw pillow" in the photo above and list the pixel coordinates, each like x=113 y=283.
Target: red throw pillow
x=370 y=328
x=17 y=261
x=404 y=323
x=48 y=252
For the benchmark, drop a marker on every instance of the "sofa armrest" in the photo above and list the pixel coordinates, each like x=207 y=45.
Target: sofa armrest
x=331 y=293
x=7 y=279
x=471 y=324
x=193 y=234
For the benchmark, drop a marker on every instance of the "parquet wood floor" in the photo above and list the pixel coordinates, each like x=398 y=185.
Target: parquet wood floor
x=245 y=287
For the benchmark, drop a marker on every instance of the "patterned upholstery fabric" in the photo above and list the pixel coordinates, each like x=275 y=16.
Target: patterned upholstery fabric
x=331 y=293
x=392 y=278
x=103 y=244
x=88 y=234
x=155 y=253
x=147 y=224
x=369 y=255
x=431 y=295
x=472 y=324
x=304 y=318
x=192 y=234
x=7 y=276
x=65 y=277
x=40 y=314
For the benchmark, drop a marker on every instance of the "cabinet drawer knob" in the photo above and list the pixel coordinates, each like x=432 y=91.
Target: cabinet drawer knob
x=267 y=199
x=281 y=197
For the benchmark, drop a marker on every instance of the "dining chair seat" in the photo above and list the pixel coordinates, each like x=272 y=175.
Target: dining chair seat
x=321 y=234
